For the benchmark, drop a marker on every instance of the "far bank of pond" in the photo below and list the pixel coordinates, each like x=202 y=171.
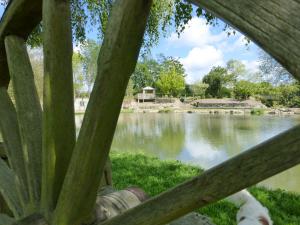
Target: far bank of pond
x=202 y=140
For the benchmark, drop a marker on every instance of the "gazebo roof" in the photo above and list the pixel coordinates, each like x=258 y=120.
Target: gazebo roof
x=148 y=88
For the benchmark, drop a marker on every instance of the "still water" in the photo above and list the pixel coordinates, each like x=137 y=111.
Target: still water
x=202 y=140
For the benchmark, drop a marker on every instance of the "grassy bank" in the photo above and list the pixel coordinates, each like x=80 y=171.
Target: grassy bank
x=156 y=176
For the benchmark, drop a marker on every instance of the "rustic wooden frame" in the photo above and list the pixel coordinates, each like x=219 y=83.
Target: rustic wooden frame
x=64 y=202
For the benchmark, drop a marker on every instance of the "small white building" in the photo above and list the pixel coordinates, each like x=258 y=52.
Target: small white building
x=147 y=95
x=80 y=104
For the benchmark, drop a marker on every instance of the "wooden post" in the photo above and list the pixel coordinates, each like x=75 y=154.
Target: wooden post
x=58 y=117
x=116 y=62
x=262 y=161
x=29 y=115
x=272 y=24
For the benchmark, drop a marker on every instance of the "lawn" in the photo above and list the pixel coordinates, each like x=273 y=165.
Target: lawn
x=156 y=176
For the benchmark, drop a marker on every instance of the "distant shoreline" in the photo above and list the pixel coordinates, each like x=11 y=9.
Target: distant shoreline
x=202 y=106
x=215 y=111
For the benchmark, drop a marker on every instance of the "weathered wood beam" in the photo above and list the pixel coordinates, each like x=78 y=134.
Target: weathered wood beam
x=58 y=118
x=262 y=161
x=6 y=220
x=12 y=140
x=19 y=18
x=35 y=219
x=9 y=189
x=29 y=113
x=2 y=151
x=116 y=62
x=273 y=24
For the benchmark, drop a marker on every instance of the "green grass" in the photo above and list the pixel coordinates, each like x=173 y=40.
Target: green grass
x=257 y=111
x=165 y=110
x=156 y=176
x=127 y=110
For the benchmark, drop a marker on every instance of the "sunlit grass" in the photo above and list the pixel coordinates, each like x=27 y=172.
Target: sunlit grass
x=156 y=176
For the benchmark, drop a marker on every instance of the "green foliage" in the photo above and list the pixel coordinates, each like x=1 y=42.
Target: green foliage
x=289 y=95
x=257 y=111
x=243 y=89
x=216 y=79
x=272 y=71
x=198 y=89
x=171 y=80
x=94 y=14
x=166 y=74
x=89 y=52
x=146 y=74
x=78 y=77
x=236 y=69
x=129 y=89
x=156 y=176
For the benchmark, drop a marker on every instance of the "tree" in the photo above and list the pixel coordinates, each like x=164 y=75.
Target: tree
x=198 y=89
x=272 y=71
x=129 y=89
x=146 y=73
x=289 y=94
x=236 y=69
x=216 y=79
x=89 y=52
x=243 y=89
x=78 y=78
x=91 y=14
x=170 y=82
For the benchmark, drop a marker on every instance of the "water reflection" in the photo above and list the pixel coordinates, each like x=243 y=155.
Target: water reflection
x=204 y=140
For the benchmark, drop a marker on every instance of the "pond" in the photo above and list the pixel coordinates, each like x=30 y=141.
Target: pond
x=202 y=140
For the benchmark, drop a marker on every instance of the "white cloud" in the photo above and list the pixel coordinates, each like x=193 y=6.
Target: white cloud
x=204 y=52
x=251 y=66
x=203 y=155
x=199 y=61
x=207 y=48
x=197 y=33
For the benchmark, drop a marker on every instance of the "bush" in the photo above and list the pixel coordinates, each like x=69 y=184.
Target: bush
x=257 y=112
x=243 y=90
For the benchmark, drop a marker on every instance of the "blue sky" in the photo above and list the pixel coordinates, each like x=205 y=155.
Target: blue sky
x=202 y=46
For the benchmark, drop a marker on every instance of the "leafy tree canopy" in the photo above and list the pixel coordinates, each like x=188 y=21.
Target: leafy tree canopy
x=171 y=82
x=272 y=71
x=216 y=79
x=88 y=14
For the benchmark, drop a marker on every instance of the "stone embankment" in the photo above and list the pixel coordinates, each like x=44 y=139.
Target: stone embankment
x=207 y=106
